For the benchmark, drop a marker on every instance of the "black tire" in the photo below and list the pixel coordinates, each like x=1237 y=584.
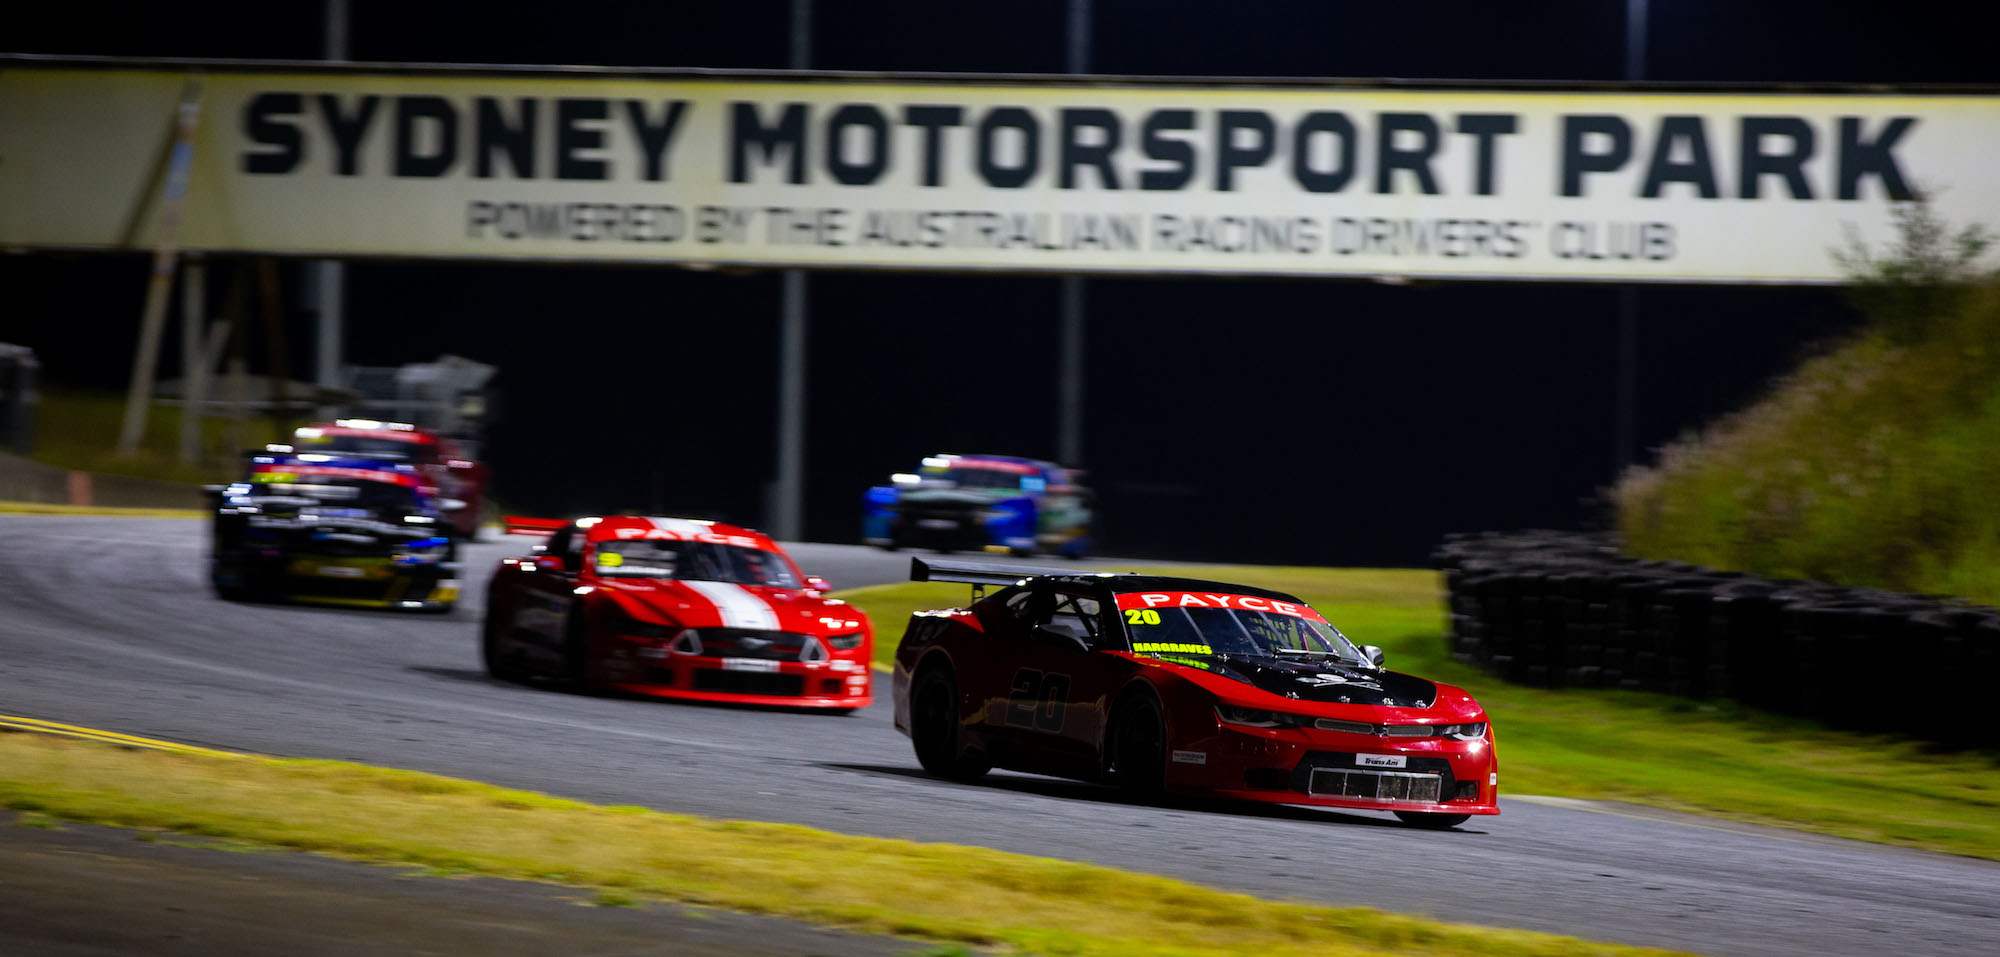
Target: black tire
x=1432 y=820
x=576 y=649
x=227 y=591
x=1137 y=745
x=934 y=727
x=499 y=662
x=232 y=583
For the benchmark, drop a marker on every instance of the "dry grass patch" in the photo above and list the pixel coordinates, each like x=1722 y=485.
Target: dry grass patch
x=939 y=892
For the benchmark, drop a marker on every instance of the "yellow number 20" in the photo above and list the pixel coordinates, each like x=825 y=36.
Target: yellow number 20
x=1141 y=616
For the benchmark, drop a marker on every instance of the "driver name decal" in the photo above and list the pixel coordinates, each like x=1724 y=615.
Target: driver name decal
x=1189 y=599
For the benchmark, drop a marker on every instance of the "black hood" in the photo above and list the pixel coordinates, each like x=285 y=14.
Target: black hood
x=1329 y=681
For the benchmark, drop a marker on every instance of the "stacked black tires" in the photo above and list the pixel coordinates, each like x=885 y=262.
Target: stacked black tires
x=1555 y=609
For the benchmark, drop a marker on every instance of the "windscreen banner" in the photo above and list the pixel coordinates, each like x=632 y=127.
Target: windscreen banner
x=1014 y=175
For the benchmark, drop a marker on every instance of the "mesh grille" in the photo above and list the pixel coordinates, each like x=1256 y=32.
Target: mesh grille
x=749 y=682
x=750 y=643
x=1351 y=727
x=1376 y=785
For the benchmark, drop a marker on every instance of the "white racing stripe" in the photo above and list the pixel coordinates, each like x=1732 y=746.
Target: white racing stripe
x=680 y=526
x=739 y=606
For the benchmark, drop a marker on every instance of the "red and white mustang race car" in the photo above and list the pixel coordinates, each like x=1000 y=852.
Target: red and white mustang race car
x=677 y=608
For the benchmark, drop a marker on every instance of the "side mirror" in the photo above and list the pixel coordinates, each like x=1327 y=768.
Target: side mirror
x=1374 y=654
x=818 y=584
x=550 y=563
x=1062 y=639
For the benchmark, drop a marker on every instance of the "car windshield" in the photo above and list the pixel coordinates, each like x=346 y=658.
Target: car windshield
x=976 y=477
x=368 y=447
x=696 y=561
x=1200 y=623
x=281 y=489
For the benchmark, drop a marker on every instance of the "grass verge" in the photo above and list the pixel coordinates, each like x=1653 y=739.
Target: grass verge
x=79 y=430
x=1713 y=758
x=42 y=508
x=940 y=892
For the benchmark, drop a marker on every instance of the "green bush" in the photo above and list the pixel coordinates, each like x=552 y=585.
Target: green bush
x=1876 y=464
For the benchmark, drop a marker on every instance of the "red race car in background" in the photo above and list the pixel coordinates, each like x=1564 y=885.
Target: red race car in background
x=1180 y=685
x=461 y=482
x=677 y=608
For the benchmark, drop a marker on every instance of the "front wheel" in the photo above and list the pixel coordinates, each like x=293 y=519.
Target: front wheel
x=934 y=727
x=1432 y=820
x=500 y=663
x=576 y=649
x=232 y=582
x=1138 y=746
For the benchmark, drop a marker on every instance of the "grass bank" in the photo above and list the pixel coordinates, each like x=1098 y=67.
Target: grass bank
x=1711 y=758
x=1873 y=465
x=79 y=430
x=44 y=508
x=938 y=892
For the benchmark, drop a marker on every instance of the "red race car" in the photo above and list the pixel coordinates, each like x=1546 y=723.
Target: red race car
x=460 y=482
x=677 y=608
x=1186 y=686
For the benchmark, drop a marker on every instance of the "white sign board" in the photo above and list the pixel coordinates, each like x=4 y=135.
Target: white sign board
x=1287 y=180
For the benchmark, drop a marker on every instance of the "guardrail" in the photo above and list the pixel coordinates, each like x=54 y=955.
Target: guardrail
x=1556 y=610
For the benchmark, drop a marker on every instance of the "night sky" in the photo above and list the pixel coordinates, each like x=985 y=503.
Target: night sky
x=1298 y=421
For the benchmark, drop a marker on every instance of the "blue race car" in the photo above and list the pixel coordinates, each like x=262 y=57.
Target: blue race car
x=995 y=503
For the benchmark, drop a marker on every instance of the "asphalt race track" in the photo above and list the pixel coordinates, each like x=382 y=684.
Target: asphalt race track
x=108 y=623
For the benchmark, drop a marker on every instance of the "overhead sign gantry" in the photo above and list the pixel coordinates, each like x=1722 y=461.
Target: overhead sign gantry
x=1008 y=173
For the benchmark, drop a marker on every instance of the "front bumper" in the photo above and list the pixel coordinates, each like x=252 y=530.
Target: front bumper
x=356 y=581
x=843 y=684
x=1335 y=769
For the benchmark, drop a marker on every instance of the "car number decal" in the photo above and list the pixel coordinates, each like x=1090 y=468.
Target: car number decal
x=1038 y=700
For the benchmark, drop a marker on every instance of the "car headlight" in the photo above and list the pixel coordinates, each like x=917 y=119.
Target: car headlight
x=845 y=642
x=1258 y=717
x=1464 y=732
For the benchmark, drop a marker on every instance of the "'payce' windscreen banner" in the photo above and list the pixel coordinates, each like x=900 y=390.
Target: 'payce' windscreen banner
x=1293 y=180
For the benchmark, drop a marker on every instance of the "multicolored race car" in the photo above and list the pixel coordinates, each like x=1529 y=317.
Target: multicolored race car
x=677 y=608
x=334 y=530
x=460 y=482
x=1186 y=686
x=993 y=503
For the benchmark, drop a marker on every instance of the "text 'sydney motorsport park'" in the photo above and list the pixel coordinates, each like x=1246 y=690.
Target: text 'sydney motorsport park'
x=1005 y=176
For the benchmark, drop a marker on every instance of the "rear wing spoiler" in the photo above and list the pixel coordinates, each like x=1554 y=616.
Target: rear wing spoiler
x=975 y=574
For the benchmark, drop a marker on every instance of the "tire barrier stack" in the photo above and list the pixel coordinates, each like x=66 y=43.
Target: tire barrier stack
x=1561 y=610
